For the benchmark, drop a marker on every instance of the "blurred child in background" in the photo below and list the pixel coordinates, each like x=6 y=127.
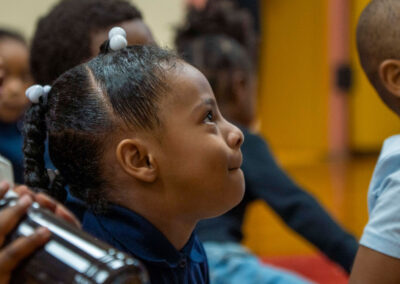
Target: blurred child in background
x=14 y=54
x=210 y=40
x=72 y=31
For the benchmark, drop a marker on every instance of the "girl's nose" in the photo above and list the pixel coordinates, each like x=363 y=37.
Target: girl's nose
x=235 y=137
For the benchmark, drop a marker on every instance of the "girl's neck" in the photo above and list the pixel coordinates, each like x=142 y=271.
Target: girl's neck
x=177 y=228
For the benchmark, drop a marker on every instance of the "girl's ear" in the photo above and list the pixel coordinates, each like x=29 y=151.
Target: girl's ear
x=134 y=158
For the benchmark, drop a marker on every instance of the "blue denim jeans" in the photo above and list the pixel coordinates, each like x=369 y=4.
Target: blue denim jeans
x=231 y=263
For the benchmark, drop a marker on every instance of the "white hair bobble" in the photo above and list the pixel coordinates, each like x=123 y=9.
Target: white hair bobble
x=117 y=37
x=34 y=92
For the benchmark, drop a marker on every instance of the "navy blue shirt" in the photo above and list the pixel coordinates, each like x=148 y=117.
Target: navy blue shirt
x=11 y=142
x=11 y=148
x=265 y=180
x=131 y=233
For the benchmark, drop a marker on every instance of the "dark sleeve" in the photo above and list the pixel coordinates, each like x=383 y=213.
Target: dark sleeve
x=300 y=211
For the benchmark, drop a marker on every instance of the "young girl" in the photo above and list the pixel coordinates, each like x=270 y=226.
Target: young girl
x=137 y=135
x=14 y=54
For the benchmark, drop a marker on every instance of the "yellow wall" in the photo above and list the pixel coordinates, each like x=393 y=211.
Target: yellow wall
x=294 y=84
x=294 y=78
x=161 y=15
x=370 y=120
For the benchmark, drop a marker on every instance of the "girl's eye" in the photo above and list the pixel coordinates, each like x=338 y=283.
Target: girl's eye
x=209 y=117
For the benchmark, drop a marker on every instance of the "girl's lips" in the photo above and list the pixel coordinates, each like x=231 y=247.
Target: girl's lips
x=236 y=162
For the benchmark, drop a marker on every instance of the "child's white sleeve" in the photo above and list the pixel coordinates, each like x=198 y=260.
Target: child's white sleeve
x=382 y=232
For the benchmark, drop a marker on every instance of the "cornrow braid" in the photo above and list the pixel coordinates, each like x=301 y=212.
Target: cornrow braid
x=36 y=175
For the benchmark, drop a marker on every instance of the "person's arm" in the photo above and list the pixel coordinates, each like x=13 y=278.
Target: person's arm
x=372 y=267
x=300 y=211
x=378 y=257
x=49 y=203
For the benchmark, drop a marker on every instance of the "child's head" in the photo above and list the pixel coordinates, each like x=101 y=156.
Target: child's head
x=220 y=17
x=378 y=45
x=137 y=125
x=73 y=30
x=217 y=41
x=14 y=54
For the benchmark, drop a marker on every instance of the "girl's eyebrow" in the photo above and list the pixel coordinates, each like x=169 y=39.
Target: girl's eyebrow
x=207 y=101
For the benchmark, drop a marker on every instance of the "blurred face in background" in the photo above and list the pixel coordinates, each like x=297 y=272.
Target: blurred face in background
x=14 y=57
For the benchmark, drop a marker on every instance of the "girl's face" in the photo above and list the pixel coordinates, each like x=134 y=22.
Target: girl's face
x=199 y=157
x=17 y=79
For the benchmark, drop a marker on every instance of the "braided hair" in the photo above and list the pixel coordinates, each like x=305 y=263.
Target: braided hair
x=117 y=90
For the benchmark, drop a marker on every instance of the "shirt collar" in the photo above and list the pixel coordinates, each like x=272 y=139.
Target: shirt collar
x=14 y=126
x=145 y=241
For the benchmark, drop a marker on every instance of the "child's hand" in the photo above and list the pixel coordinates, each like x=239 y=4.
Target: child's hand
x=13 y=253
x=49 y=203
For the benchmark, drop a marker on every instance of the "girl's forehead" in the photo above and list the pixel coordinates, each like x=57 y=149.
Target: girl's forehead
x=187 y=77
x=13 y=52
x=188 y=88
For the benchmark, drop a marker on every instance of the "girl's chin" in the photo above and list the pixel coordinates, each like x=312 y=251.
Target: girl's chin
x=235 y=195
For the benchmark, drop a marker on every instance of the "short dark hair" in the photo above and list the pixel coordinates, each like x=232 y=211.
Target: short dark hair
x=378 y=37
x=219 y=17
x=85 y=106
x=218 y=41
x=8 y=33
x=63 y=37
